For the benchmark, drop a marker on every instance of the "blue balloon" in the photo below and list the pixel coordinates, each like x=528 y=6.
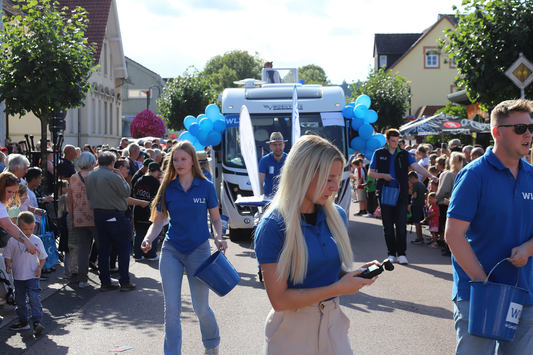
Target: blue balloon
x=214 y=138
x=371 y=116
x=350 y=151
x=368 y=154
x=364 y=100
x=348 y=112
x=366 y=131
x=186 y=136
x=188 y=121
x=382 y=139
x=206 y=124
x=358 y=144
x=205 y=143
x=201 y=116
x=351 y=104
x=219 y=125
x=193 y=128
x=212 y=111
x=360 y=111
x=357 y=123
x=373 y=143
x=197 y=145
x=202 y=135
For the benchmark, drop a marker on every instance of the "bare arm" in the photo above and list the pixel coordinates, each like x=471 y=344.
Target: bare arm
x=153 y=231
x=373 y=173
x=521 y=254
x=136 y=202
x=283 y=298
x=16 y=233
x=461 y=249
x=217 y=223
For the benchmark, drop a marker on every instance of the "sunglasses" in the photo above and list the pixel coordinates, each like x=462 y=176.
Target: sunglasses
x=519 y=128
x=13 y=179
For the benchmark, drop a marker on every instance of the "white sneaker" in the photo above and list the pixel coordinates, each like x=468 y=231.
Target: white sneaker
x=402 y=260
x=392 y=258
x=83 y=284
x=368 y=215
x=213 y=351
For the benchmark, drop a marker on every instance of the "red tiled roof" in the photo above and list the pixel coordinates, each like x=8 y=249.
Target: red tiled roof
x=9 y=10
x=98 y=14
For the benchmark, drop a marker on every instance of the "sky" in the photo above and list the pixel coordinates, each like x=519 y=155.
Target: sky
x=168 y=36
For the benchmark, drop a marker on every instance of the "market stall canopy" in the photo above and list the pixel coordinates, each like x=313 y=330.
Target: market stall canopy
x=443 y=124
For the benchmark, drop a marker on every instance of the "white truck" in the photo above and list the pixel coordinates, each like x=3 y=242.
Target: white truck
x=270 y=108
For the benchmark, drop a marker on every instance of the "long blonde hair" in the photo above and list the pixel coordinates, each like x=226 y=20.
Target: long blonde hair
x=171 y=174
x=311 y=155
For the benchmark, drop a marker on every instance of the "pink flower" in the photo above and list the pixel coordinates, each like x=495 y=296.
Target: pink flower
x=147 y=124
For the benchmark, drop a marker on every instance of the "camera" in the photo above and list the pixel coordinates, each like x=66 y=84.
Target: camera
x=375 y=270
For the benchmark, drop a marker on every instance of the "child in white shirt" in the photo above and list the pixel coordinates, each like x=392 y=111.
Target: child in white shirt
x=26 y=269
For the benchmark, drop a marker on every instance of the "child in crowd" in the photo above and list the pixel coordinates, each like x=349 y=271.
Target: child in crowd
x=358 y=177
x=14 y=210
x=418 y=198
x=433 y=219
x=26 y=273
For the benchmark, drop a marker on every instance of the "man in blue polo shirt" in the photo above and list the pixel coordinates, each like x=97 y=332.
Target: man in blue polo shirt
x=489 y=220
x=270 y=165
x=393 y=163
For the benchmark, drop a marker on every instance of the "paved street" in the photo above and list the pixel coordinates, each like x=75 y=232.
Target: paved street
x=407 y=311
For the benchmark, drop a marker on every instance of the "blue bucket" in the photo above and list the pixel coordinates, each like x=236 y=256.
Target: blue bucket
x=390 y=194
x=218 y=274
x=495 y=309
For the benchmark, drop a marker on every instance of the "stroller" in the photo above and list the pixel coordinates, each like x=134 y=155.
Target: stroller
x=7 y=295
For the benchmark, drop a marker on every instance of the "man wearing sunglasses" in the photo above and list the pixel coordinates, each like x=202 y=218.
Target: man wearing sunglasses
x=489 y=220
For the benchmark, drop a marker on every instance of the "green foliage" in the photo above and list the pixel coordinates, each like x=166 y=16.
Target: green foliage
x=455 y=110
x=313 y=74
x=188 y=94
x=45 y=60
x=389 y=94
x=232 y=66
x=486 y=42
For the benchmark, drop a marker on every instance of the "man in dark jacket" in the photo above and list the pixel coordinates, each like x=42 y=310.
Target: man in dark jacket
x=387 y=164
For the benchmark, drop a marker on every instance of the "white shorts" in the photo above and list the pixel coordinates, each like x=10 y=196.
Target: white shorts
x=321 y=328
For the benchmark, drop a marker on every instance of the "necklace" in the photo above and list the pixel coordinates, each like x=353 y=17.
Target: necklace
x=23 y=248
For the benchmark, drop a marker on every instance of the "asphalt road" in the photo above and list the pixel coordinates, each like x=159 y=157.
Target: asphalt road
x=406 y=311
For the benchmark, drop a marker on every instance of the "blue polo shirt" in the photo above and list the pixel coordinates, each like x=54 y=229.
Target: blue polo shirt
x=324 y=263
x=498 y=208
x=392 y=171
x=188 y=227
x=269 y=166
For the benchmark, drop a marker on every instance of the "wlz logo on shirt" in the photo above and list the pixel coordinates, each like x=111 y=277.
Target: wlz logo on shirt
x=199 y=200
x=527 y=195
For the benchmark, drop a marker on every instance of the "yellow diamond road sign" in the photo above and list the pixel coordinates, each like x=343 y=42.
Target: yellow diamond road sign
x=521 y=72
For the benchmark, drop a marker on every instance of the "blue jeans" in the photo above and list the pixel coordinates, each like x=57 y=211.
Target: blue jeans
x=172 y=263
x=471 y=344
x=395 y=216
x=139 y=232
x=115 y=233
x=32 y=288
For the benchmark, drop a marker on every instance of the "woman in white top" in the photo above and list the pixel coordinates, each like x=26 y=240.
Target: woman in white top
x=8 y=190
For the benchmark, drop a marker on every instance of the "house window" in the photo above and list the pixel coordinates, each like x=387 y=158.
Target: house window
x=104 y=58
x=452 y=63
x=431 y=58
x=382 y=61
x=105 y=118
x=453 y=89
x=138 y=94
x=93 y=116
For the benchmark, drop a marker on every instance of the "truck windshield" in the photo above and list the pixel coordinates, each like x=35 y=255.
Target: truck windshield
x=265 y=124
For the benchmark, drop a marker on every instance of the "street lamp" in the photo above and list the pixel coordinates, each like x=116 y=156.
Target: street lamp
x=148 y=95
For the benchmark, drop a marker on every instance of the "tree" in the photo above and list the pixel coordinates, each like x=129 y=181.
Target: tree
x=389 y=94
x=188 y=94
x=232 y=66
x=45 y=62
x=486 y=43
x=454 y=110
x=313 y=74
x=147 y=124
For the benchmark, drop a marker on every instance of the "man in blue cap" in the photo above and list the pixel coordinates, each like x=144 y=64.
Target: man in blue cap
x=270 y=165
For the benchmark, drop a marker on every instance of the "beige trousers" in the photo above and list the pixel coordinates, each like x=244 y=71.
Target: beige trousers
x=319 y=329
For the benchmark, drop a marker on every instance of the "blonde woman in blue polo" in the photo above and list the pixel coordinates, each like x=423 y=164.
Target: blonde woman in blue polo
x=301 y=243
x=185 y=197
